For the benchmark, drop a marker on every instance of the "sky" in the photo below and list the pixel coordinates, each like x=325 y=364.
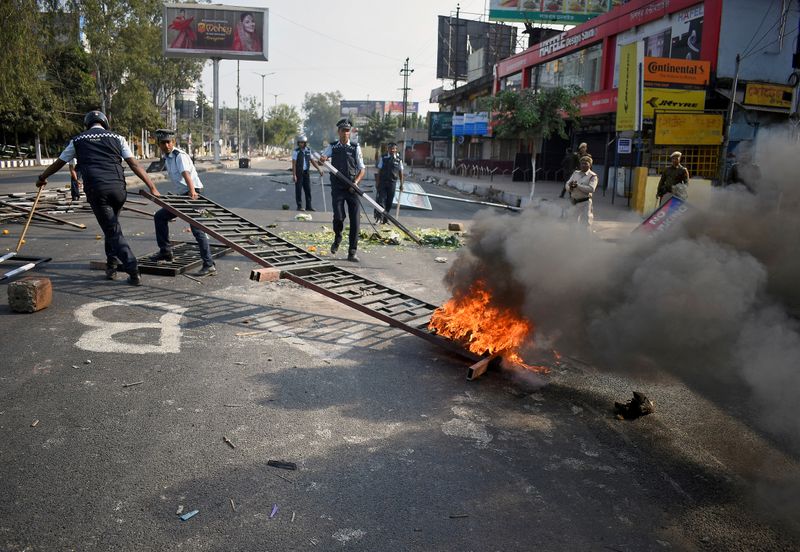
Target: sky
x=357 y=47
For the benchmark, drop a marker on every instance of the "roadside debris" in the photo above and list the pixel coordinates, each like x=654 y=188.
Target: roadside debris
x=35 y=423
x=228 y=442
x=440 y=259
x=189 y=515
x=233 y=405
x=179 y=511
x=639 y=406
x=132 y=384
x=303 y=216
x=233 y=506
x=282 y=464
x=458 y=516
x=274 y=511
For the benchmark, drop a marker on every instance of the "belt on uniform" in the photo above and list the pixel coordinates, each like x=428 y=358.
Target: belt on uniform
x=576 y=201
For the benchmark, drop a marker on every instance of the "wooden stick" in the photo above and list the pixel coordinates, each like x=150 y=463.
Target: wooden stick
x=137 y=211
x=25 y=229
x=43 y=215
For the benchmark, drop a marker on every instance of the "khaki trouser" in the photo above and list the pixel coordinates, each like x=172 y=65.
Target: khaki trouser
x=582 y=213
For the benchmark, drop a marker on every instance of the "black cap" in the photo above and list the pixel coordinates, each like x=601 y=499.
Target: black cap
x=165 y=135
x=344 y=123
x=391 y=144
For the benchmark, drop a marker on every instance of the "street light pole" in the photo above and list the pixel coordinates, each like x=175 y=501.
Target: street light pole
x=263 y=139
x=276 y=99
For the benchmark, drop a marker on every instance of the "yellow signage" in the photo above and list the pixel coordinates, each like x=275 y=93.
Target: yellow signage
x=688 y=129
x=628 y=90
x=768 y=95
x=672 y=99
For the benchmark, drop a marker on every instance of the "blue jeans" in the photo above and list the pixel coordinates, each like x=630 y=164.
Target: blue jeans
x=161 y=220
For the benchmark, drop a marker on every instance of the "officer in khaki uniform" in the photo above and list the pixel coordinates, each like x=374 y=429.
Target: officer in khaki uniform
x=581 y=186
x=674 y=180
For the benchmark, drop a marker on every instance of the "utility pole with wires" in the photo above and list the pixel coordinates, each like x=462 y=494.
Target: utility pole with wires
x=723 y=173
x=405 y=71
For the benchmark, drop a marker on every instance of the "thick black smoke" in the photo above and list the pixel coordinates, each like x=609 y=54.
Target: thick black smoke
x=713 y=301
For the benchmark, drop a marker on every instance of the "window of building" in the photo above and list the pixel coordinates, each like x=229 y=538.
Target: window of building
x=512 y=82
x=582 y=68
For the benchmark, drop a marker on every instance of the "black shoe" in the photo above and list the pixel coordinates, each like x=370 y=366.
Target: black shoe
x=207 y=270
x=162 y=256
x=335 y=245
x=351 y=256
x=310 y=209
x=134 y=278
x=111 y=271
x=299 y=208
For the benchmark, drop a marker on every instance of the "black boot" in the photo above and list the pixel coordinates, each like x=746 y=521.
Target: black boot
x=134 y=278
x=351 y=256
x=335 y=245
x=111 y=270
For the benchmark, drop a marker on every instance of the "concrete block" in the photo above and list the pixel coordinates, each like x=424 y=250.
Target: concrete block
x=455 y=226
x=265 y=275
x=30 y=294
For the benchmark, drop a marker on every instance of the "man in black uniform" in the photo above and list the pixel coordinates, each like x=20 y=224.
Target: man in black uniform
x=390 y=170
x=99 y=153
x=347 y=159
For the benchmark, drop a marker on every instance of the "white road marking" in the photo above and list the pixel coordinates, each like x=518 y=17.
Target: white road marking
x=101 y=339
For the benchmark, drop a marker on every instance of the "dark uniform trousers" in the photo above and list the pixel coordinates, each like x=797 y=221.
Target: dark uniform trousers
x=161 y=220
x=106 y=203
x=303 y=180
x=344 y=159
x=342 y=199
x=303 y=184
x=389 y=173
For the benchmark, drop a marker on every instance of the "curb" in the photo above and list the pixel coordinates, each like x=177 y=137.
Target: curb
x=133 y=182
x=486 y=192
x=18 y=163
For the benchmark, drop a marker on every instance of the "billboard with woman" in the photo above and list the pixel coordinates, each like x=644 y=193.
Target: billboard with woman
x=225 y=32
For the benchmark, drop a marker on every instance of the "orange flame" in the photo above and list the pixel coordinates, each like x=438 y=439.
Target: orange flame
x=483 y=327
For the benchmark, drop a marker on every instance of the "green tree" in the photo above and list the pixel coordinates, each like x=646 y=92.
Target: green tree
x=378 y=130
x=26 y=99
x=282 y=125
x=322 y=111
x=533 y=116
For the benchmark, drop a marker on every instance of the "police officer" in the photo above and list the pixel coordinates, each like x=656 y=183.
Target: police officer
x=99 y=152
x=301 y=161
x=186 y=182
x=347 y=159
x=390 y=169
x=581 y=186
x=674 y=180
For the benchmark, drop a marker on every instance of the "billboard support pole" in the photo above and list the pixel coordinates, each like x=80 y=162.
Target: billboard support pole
x=216 y=109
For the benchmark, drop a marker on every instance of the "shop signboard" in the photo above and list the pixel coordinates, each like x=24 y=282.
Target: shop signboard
x=671 y=99
x=768 y=95
x=440 y=125
x=215 y=31
x=676 y=71
x=549 y=11
x=458 y=124
x=695 y=129
x=628 y=92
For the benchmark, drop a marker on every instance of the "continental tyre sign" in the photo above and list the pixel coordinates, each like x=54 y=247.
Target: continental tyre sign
x=670 y=99
x=676 y=71
x=690 y=129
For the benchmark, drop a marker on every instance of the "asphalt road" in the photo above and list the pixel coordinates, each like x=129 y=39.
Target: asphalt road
x=394 y=449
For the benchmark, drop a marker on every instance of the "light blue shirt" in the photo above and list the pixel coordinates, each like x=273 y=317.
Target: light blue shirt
x=359 y=158
x=380 y=163
x=69 y=152
x=178 y=161
x=307 y=156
